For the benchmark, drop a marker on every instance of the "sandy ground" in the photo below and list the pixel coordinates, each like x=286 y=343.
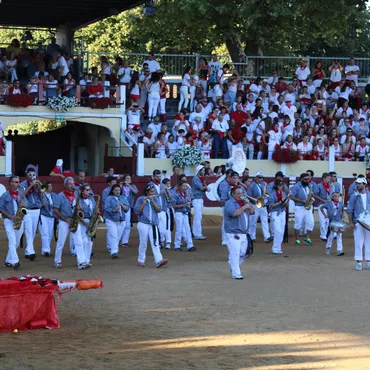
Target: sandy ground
x=305 y=311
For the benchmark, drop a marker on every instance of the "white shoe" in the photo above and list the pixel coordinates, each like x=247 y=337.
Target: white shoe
x=238 y=277
x=273 y=252
x=327 y=251
x=168 y=246
x=200 y=237
x=359 y=266
x=223 y=242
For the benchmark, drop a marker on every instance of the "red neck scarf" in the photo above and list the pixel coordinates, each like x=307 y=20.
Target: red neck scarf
x=240 y=202
x=201 y=178
x=336 y=203
x=279 y=195
x=276 y=130
x=69 y=196
x=148 y=135
x=182 y=194
x=14 y=194
x=326 y=187
x=155 y=182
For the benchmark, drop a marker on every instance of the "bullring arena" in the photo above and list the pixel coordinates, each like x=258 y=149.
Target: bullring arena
x=303 y=310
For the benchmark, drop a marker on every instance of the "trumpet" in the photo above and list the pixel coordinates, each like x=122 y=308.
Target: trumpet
x=41 y=186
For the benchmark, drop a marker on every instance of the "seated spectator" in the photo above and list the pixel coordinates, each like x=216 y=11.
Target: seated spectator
x=348 y=148
x=12 y=67
x=160 y=147
x=362 y=149
x=208 y=172
x=348 y=137
x=69 y=85
x=14 y=48
x=180 y=123
x=15 y=89
x=156 y=126
x=181 y=137
x=205 y=145
x=2 y=141
x=105 y=67
x=189 y=140
x=320 y=150
x=280 y=86
x=321 y=135
x=305 y=149
x=197 y=127
x=172 y=146
x=33 y=88
x=41 y=69
x=95 y=89
x=51 y=87
x=289 y=144
x=4 y=72
x=84 y=83
x=148 y=141
x=106 y=85
x=337 y=149
x=361 y=129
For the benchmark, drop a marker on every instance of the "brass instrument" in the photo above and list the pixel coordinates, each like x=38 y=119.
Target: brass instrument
x=21 y=212
x=245 y=198
x=41 y=186
x=311 y=199
x=77 y=215
x=259 y=202
x=285 y=201
x=95 y=219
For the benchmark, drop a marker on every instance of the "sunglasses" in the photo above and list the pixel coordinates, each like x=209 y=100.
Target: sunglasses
x=260 y=177
x=16 y=182
x=87 y=189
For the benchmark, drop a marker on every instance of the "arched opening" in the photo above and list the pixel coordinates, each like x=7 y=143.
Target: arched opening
x=80 y=145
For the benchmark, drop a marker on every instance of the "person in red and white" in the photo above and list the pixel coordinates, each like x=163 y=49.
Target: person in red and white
x=287 y=128
x=205 y=145
x=181 y=123
x=305 y=148
x=12 y=67
x=197 y=113
x=238 y=115
x=134 y=88
x=251 y=103
x=15 y=89
x=337 y=149
x=260 y=132
x=163 y=97
x=148 y=141
x=289 y=109
x=289 y=144
x=303 y=71
x=248 y=142
x=156 y=126
x=274 y=136
x=221 y=79
x=318 y=74
x=134 y=113
x=320 y=150
x=124 y=74
x=33 y=87
x=95 y=89
x=352 y=71
x=197 y=126
x=219 y=129
x=153 y=65
x=172 y=146
x=69 y=85
x=234 y=137
x=184 y=89
x=362 y=149
x=335 y=74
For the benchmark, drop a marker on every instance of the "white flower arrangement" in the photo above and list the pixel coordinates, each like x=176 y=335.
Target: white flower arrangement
x=367 y=160
x=187 y=156
x=62 y=103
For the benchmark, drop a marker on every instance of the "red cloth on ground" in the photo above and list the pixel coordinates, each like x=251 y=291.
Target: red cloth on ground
x=23 y=303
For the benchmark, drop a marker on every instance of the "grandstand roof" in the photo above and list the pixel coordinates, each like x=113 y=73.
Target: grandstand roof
x=46 y=13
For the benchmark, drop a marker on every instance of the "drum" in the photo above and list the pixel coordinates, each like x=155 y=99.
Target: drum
x=338 y=226
x=364 y=220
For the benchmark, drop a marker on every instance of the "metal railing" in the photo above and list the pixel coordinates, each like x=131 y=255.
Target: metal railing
x=174 y=64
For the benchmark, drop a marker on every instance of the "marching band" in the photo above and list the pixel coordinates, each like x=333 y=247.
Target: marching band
x=32 y=204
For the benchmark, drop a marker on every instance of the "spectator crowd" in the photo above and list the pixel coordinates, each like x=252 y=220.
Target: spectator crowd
x=217 y=109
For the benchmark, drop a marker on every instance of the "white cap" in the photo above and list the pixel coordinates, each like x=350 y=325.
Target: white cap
x=199 y=168
x=259 y=173
x=196 y=78
x=59 y=162
x=361 y=180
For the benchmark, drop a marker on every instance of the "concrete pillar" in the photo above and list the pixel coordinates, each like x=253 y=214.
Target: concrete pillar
x=64 y=36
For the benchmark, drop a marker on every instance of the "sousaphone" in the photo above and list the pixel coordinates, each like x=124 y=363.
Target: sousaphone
x=237 y=163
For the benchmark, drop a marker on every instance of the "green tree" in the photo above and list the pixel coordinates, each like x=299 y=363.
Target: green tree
x=35 y=127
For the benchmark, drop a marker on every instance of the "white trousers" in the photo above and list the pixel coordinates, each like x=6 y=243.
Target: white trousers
x=303 y=217
x=262 y=214
x=86 y=241
x=162 y=106
x=223 y=234
x=114 y=234
x=168 y=226
x=31 y=220
x=250 y=149
x=143 y=97
x=237 y=250
x=362 y=238
x=278 y=220
x=331 y=237
x=270 y=151
x=162 y=226
x=146 y=231
x=127 y=229
x=46 y=227
x=13 y=73
x=14 y=237
x=77 y=240
x=184 y=97
x=192 y=96
x=198 y=205
x=230 y=146
x=324 y=224
x=182 y=229
x=153 y=102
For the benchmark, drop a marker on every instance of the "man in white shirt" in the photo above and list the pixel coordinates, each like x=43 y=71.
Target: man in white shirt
x=62 y=67
x=288 y=109
x=219 y=128
x=303 y=71
x=273 y=79
x=330 y=97
x=248 y=143
x=124 y=73
x=215 y=66
x=349 y=133
x=153 y=65
x=352 y=71
x=134 y=113
x=156 y=126
x=265 y=86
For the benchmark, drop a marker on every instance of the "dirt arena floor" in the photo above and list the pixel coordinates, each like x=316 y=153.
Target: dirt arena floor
x=301 y=311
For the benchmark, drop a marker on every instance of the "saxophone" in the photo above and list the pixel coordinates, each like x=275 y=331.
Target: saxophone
x=77 y=215
x=95 y=219
x=311 y=198
x=21 y=212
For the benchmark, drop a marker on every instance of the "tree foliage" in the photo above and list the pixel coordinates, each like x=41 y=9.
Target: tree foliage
x=35 y=127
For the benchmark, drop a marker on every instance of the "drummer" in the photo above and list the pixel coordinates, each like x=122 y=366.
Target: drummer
x=333 y=211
